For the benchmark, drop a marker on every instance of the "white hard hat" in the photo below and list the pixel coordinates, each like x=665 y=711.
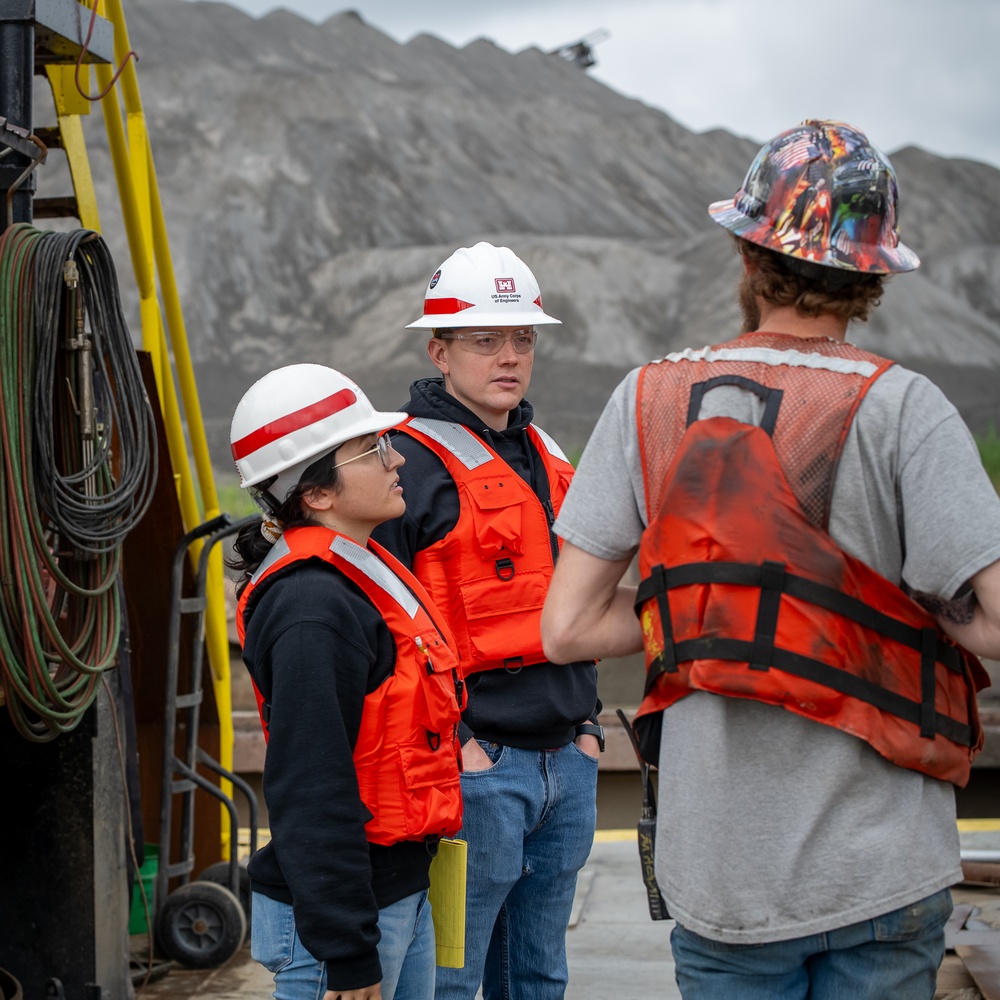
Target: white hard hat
x=482 y=285
x=294 y=415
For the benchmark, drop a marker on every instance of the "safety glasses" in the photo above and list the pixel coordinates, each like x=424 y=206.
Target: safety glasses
x=492 y=341
x=383 y=445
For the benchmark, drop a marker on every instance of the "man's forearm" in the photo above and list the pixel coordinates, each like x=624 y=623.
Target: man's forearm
x=589 y=614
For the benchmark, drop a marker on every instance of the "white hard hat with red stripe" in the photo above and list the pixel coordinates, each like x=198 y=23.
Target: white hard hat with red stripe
x=482 y=285
x=294 y=415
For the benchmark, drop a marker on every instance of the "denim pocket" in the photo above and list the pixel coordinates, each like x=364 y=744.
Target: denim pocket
x=273 y=932
x=914 y=921
x=495 y=752
x=584 y=754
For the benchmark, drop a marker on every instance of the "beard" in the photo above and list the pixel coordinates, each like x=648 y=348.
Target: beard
x=749 y=307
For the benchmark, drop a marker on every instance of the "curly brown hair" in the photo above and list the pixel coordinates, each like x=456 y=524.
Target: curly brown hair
x=811 y=288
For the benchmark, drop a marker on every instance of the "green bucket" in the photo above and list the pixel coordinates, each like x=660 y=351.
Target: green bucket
x=147 y=879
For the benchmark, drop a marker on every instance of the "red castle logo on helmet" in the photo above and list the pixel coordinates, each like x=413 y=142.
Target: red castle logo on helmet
x=504 y=285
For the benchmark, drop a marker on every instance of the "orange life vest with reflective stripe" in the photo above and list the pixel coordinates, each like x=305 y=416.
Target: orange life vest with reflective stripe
x=407 y=753
x=744 y=593
x=489 y=575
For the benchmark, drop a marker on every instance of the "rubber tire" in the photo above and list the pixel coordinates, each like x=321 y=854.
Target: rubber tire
x=201 y=925
x=219 y=872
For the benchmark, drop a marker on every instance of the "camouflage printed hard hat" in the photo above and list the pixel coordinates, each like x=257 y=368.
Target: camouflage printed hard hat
x=823 y=193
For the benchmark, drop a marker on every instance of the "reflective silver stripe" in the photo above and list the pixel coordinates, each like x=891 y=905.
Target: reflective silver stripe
x=461 y=442
x=550 y=444
x=774 y=357
x=376 y=571
x=278 y=551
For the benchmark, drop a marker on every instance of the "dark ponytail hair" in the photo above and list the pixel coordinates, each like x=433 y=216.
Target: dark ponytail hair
x=251 y=546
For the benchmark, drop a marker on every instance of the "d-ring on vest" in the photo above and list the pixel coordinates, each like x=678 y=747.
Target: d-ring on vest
x=491 y=572
x=745 y=594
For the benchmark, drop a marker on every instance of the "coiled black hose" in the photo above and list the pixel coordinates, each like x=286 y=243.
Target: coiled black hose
x=77 y=439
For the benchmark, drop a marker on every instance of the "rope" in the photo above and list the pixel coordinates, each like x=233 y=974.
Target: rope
x=77 y=441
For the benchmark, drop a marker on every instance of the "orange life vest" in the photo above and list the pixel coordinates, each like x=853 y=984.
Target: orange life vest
x=744 y=593
x=489 y=575
x=407 y=752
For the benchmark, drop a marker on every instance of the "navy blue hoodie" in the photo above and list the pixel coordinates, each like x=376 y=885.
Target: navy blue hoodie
x=539 y=706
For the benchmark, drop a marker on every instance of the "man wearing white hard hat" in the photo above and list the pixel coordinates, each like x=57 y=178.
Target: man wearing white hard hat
x=483 y=487
x=358 y=688
x=814 y=529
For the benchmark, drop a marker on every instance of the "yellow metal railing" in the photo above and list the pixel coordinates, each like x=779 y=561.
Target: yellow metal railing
x=163 y=333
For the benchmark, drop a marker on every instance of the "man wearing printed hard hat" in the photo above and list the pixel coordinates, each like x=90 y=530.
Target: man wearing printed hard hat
x=483 y=486
x=816 y=535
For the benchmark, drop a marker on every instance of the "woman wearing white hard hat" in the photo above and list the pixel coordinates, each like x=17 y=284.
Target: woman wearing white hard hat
x=359 y=697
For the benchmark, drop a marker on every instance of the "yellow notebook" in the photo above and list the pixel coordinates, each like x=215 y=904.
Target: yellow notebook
x=447 y=896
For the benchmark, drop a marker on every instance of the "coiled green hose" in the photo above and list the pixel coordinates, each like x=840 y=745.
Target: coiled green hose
x=78 y=466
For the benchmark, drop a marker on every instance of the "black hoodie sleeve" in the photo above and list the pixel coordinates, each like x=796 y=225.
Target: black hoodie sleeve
x=312 y=648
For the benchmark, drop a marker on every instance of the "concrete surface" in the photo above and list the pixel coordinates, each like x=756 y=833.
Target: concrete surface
x=613 y=947
x=614 y=950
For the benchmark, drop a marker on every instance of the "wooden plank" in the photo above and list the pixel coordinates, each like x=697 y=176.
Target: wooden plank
x=981 y=873
x=956 y=922
x=952 y=978
x=146 y=572
x=956 y=939
x=983 y=964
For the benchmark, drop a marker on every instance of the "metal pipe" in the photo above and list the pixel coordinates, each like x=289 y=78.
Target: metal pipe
x=968 y=854
x=17 y=70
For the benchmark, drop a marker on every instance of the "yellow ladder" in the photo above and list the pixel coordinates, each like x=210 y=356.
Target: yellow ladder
x=160 y=314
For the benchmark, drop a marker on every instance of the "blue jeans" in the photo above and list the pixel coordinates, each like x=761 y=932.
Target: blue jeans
x=406 y=950
x=893 y=956
x=529 y=821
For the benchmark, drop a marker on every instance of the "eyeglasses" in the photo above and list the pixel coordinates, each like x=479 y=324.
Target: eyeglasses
x=383 y=445
x=492 y=341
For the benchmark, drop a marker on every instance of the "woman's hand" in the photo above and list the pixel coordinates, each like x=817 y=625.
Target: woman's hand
x=365 y=993
x=474 y=757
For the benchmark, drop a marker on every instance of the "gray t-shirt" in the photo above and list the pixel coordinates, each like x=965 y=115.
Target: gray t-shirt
x=772 y=826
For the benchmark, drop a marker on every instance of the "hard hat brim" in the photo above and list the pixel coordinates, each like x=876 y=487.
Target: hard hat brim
x=379 y=421
x=866 y=259
x=457 y=321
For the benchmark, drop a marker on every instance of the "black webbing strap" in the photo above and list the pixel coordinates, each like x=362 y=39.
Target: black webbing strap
x=738 y=651
x=760 y=654
x=666 y=662
x=866 y=616
x=771 y=398
x=749 y=575
x=927 y=683
x=772 y=585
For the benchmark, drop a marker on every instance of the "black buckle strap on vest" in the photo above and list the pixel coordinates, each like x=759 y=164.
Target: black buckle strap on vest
x=828 y=598
x=738 y=651
x=656 y=585
x=928 y=711
x=865 y=615
x=771 y=398
x=505 y=569
x=773 y=581
x=513 y=664
x=772 y=585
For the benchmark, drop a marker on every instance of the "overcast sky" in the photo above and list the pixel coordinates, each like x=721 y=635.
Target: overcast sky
x=907 y=72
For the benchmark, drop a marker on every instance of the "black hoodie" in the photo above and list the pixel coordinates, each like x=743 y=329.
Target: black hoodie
x=539 y=706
